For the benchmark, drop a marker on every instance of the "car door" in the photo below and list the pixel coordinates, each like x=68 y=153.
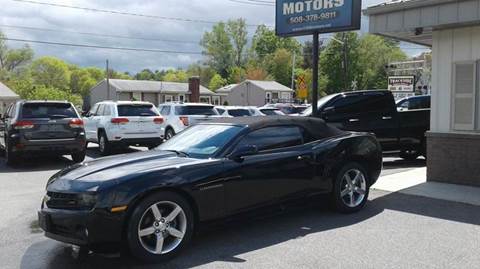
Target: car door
x=346 y=113
x=281 y=169
x=91 y=123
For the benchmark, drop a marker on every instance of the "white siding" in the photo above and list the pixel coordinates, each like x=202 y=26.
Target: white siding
x=450 y=46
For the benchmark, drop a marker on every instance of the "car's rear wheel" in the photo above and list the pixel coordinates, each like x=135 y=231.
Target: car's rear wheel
x=169 y=133
x=79 y=156
x=409 y=155
x=351 y=189
x=103 y=145
x=160 y=227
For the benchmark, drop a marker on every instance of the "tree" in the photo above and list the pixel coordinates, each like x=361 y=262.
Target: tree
x=145 y=74
x=280 y=66
x=256 y=73
x=236 y=75
x=18 y=57
x=332 y=62
x=237 y=31
x=176 y=76
x=266 y=42
x=218 y=49
x=205 y=73
x=375 y=53
x=217 y=82
x=50 y=72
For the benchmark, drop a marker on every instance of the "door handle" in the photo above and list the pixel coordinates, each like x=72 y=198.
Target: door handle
x=386 y=118
x=354 y=120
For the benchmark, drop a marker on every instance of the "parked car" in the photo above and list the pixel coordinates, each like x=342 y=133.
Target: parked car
x=400 y=132
x=153 y=201
x=289 y=109
x=414 y=102
x=179 y=116
x=271 y=111
x=255 y=111
x=52 y=127
x=124 y=123
x=234 y=111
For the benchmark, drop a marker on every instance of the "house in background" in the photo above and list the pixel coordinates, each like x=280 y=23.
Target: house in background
x=156 y=92
x=256 y=93
x=223 y=92
x=7 y=96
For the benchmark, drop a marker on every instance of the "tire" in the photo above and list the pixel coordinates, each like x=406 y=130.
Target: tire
x=79 y=156
x=144 y=247
x=169 y=133
x=12 y=158
x=103 y=145
x=343 y=191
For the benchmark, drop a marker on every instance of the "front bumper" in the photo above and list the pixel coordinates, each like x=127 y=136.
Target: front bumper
x=98 y=229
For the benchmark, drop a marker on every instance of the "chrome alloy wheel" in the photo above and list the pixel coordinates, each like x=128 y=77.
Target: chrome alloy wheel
x=353 y=188
x=162 y=227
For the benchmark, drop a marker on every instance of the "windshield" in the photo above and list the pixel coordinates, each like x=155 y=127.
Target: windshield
x=239 y=112
x=136 y=111
x=201 y=141
x=195 y=110
x=272 y=112
x=320 y=103
x=48 y=111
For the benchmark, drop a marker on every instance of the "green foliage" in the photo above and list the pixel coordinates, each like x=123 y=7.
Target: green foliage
x=26 y=89
x=204 y=72
x=217 y=82
x=237 y=30
x=176 y=76
x=280 y=66
x=265 y=42
x=218 y=49
x=236 y=75
x=50 y=72
x=145 y=74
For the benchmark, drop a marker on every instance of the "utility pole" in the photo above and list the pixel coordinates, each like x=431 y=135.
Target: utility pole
x=293 y=71
x=345 y=60
x=315 y=75
x=108 y=81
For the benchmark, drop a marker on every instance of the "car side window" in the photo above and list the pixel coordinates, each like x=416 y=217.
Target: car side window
x=273 y=138
x=165 y=111
x=100 y=110
x=93 y=111
x=107 y=111
x=11 y=111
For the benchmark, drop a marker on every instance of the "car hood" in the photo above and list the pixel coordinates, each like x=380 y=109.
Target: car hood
x=105 y=172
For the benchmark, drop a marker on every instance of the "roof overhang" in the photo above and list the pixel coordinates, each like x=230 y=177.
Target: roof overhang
x=415 y=20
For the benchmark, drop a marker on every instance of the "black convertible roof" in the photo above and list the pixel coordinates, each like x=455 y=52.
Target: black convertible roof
x=316 y=127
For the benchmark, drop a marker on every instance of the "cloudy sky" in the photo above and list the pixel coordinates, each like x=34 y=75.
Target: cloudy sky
x=186 y=35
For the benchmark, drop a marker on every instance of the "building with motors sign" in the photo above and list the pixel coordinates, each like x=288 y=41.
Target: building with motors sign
x=305 y=17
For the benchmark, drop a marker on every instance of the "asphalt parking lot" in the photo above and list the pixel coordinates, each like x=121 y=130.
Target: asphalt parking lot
x=393 y=231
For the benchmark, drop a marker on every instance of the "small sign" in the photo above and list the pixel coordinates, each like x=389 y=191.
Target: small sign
x=401 y=83
x=302 y=89
x=304 y=17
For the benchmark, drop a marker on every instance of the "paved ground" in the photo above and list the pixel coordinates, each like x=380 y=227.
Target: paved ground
x=394 y=231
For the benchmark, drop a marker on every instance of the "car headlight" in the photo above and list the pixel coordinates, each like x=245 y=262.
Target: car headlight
x=87 y=200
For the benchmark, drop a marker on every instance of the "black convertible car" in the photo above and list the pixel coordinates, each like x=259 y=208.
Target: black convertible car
x=152 y=201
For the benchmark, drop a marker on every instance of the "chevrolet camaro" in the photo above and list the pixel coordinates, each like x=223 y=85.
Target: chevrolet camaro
x=152 y=202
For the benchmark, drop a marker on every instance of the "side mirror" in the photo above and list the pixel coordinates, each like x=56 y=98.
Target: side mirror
x=243 y=151
x=85 y=114
x=327 y=111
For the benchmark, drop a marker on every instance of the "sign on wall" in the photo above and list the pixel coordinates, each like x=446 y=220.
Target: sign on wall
x=401 y=83
x=303 y=17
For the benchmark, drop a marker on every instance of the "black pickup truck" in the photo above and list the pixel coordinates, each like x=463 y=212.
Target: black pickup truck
x=402 y=132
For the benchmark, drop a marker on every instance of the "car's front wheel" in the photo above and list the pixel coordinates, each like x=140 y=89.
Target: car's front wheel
x=161 y=225
x=169 y=133
x=351 y=189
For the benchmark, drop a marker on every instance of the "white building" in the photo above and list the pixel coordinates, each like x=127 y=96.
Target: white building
x=256 y=93
x=7 y=97
x=452 y=29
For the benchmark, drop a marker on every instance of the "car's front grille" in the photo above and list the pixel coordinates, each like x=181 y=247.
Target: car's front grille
x=57 y=200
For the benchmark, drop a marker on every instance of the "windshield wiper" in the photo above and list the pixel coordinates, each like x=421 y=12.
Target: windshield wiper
x=179 y=153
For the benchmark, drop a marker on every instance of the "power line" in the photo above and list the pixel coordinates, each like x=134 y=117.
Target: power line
x=124 y=13
x=100 y=47
x=254 y=3
x=96 y=34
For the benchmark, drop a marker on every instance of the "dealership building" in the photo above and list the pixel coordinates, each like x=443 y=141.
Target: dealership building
x=452 y=29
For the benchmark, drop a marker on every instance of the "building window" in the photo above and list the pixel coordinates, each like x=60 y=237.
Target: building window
x=168 y=98
x=268 y=97
x=181 y=97
x=205 y=99
x=216 y=100
x=136 y=96
x=464 y=103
